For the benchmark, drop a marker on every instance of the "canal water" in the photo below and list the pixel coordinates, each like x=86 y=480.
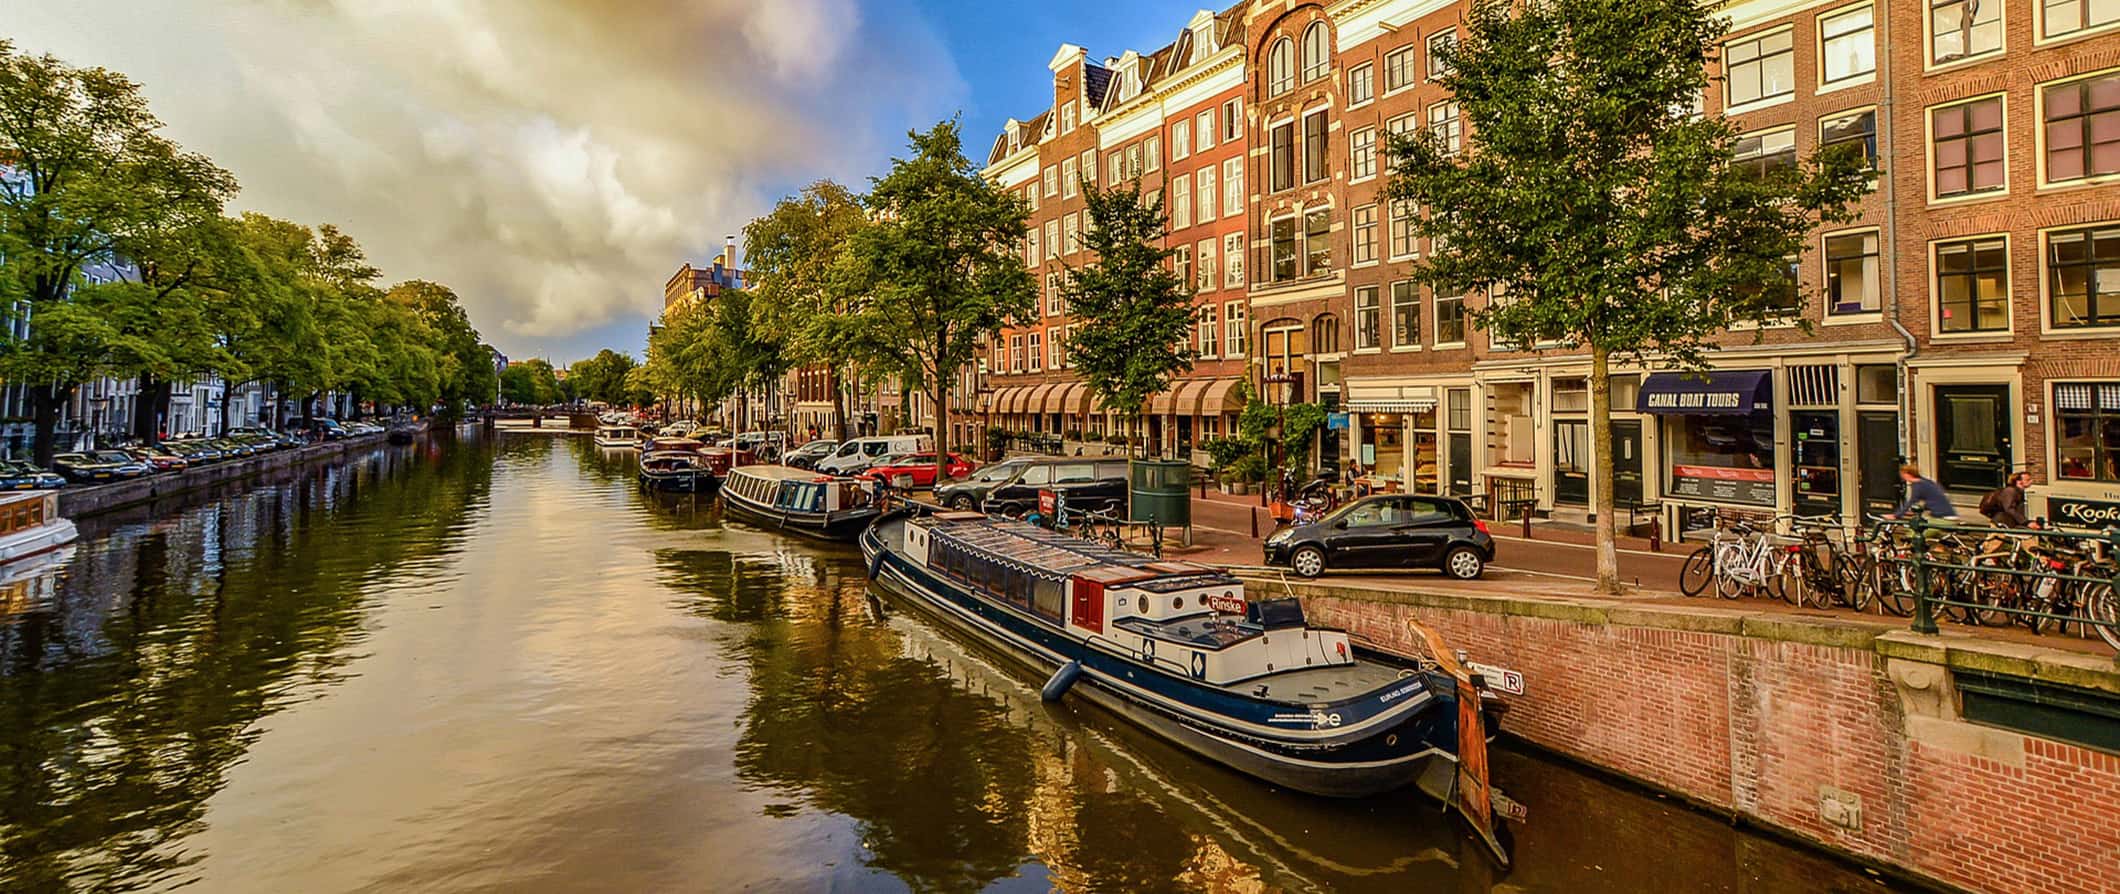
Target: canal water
x=497 y=666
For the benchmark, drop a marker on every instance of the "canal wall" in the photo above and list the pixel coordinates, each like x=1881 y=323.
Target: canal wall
x=77 y=502
x=1979 y=765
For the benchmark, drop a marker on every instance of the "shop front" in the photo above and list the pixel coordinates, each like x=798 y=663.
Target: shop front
x=1395 y=435
x=1718 y=435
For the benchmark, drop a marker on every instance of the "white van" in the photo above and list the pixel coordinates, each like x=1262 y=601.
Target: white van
x=860 y=453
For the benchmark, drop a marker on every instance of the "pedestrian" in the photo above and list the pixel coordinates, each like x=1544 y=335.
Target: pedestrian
x=1923 y=495
x=2004 y=506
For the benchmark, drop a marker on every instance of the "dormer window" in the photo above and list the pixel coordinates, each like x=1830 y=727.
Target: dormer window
x=1067 y=118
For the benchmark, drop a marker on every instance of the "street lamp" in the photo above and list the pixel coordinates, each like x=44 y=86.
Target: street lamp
x=1278 y=396
x=95 y=419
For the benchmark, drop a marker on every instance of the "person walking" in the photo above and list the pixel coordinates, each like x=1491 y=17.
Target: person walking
x=1923 y=494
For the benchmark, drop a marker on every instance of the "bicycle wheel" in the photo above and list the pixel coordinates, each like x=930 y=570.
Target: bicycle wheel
x=1854 y=575
x=1990 y=592
x=1893 y=580
x=1785 y=577
x=1699 y=569
x=2102 y=609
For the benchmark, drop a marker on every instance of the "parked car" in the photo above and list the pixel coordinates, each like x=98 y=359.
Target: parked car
x=766 y=445
x=1091 y=485
x=1388 y=531
x=915 y=469
x=195 y=451
x=233 y=449
x=860 y=453
x=18 y=475
x=98 y=466
x=159 y=459
x=807 y=455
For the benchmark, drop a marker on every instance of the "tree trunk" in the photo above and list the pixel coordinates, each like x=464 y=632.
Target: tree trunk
x=1601 y=474
x=44 y=407
x=942 y=438
x=309 y=409
x=228 y=399
x=839 y=402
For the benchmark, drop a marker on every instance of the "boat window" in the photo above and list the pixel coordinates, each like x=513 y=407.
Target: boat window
x=1046 y=597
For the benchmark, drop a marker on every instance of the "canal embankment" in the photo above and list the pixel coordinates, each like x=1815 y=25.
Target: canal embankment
x=1984 y=765
x=80 y=502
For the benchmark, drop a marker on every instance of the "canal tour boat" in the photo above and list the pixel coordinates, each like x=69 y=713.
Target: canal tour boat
x=1176 y=648
x=676 y=464
x=30 y=525
x=617 y=435
x=826 y=507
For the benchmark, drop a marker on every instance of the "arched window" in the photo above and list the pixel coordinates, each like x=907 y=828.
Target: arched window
x=1317 y=60
x=1325 y=334
x=1280 y=69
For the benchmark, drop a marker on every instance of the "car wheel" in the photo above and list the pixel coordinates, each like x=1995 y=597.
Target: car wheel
x=962 y=503
x=1308 y=561
x=1464 y=563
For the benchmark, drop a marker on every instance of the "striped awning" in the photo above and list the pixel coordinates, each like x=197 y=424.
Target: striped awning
x=1035 y=403
x=1074 y=399
x=1384 y=397
x=1214 y=399
x=1392 y=406
x=1011 y=401
x=1160 y=404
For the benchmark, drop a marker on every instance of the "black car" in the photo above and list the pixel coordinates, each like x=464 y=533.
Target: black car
x=1090 y=484
x=1388 y=531
x=100 y=465
x=16 y=475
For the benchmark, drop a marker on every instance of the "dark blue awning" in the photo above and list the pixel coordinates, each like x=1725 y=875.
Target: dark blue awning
x=1730 y=391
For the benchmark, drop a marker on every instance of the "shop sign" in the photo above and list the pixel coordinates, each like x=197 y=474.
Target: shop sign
x=1336 y=421
x=1726 y=485
x=2075 y=513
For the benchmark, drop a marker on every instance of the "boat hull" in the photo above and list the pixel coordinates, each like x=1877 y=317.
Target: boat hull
x=692 y=481
x=1383 y=760
x=617 y=443
x=44 y=538
x=837 y=527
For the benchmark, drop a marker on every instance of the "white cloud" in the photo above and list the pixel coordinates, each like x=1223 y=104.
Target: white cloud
x=554 y=161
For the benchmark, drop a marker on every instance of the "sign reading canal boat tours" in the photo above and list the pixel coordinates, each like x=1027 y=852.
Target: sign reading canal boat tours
x=2074 y=513
x=1723 y=484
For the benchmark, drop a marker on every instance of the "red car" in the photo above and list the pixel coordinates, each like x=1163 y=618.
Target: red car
x=915 y=469
x=158 y=459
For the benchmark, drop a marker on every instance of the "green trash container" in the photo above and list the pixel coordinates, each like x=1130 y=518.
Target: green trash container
x=1160 y=489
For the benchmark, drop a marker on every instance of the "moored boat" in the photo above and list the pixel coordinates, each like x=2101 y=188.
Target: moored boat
x=823 y=506
x=617 y=435
x=676 y=464
x=30 y=524
x=1177 y=649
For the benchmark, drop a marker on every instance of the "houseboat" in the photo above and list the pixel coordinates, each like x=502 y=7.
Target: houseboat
x=800 y=501
x=1177 y=649
x=676 y=464
x=30 y=525
x=618 y=435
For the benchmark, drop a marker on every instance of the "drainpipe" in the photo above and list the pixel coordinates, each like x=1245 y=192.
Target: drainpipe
x=1888 y=129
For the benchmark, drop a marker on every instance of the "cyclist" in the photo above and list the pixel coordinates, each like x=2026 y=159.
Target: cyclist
x=1923 y=494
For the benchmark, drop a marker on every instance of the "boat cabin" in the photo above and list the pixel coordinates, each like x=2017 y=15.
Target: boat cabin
x=1185 y=617
x=798 y=490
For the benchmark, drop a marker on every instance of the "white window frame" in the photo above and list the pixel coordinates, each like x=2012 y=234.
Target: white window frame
x=1236 y=336
x=1232 y=260
x=1362 y=155
x=1233 y=186
x=1929 y=62
x=1827 y=84
x=1367 y=72
x=1204 y=195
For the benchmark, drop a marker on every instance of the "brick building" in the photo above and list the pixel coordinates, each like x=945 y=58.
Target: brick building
x=1965 y=319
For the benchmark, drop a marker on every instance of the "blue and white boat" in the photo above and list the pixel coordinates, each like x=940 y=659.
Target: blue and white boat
x=1177 y=648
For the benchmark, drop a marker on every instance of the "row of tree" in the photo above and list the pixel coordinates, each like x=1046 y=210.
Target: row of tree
x=1600 y=213
x=89 y=185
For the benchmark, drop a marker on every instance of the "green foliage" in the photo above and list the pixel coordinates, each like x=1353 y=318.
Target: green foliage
x=532 y=381
x=790 y=254
x=1226 y=451
x=604 y=378
x=937 y=269
x=1249 y=468
x=1136 y=314
x=1587 y=194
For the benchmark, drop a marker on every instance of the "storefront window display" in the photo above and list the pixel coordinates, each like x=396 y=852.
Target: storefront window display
x=1384 y=445
x=1726 y=457
x=2088 y=445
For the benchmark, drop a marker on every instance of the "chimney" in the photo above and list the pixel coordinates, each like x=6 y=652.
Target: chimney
x=728 y=251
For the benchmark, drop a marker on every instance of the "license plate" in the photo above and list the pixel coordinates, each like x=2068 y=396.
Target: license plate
x=1506 y=807
x=102 y=474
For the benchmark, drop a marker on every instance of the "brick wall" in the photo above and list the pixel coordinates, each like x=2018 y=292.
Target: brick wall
x=1767 y=728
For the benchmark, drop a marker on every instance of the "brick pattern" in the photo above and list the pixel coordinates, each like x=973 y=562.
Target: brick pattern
x=1759 y=727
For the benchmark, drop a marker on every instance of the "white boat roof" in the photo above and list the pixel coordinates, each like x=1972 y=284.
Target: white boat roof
x=785 y=473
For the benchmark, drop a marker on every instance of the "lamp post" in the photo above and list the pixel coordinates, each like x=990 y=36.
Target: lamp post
x=1277 y=394
x=98 y=404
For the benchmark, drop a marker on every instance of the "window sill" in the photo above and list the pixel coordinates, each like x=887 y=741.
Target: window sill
x=2080 y=332
x=1931 y=66
x=2046 y=186
x=1449 y=345
x=1971 y=198
x=1853 y=319
x=1760 y=104
x=1962 y=338
x=2073 y=36
x=1360 y=105
x=1406 y=349
x=1362 y=179
x=1850 y=82
x=1360 y=351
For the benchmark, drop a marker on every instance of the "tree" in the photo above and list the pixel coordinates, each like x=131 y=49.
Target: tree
x=733 y=356
x=937 y=271
x=275 y=337
x=86 y=171
x=789 y=254
x=464 y=364
x=603 y=377
x=1595 y=207
x=1136 y=312
x=530 y=381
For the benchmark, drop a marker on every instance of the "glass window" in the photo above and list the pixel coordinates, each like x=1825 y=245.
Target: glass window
x=2087 y=448
x=1723 y=457
x=1204 y=192
x=1152 y=151
x=2070 y=16
x=2083 y=276
x=1282 y=142
x=1036 y=350
x=1967 y=142
x=1181 y=263
x=1877 y=384
x=1282 y=249
x=1280 y=69
x=1052 y=239
x=1205 y=249
x=1961 y=28
x=1180 y=141
x=1056 y=344
x=1232 y=260
x=1405 y=314
x=2083 y=128
x=1089 y=165
x=1761 y=67
x=1052 y=180
x=1362 y=154
x=1398 y=69
x=1439 y=44
x=1855 y=130
x=1233 y=186
x=1317 y=53
x=1365 y=234
x=1443 y=124
x=1068 y=184
x=1317 y=243
x=1852 y=283
x=1232 y=120
x=1314 y=127
x=1365 y=317
x=1207 y=330
x=1204 y=131
x=1449 y=319
x=1361 y=84
x=1764 y=153
x=1180 y=203
x=1972 y=286
x=1071 y=234
x=1403 y=241
x=1236 y=335
x=1850 y=45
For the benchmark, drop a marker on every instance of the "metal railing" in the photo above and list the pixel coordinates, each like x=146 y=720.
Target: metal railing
x=1982 y=575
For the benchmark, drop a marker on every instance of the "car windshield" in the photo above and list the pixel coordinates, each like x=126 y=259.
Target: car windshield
x=996 y=472
x=113 y=456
